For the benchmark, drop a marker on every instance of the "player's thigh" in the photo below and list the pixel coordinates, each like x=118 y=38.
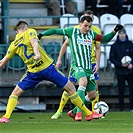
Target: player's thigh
x=56 y=76
x=17 y=91
x=78 y=72
x=30 y=80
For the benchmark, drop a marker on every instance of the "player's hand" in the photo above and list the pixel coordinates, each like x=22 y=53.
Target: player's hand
x=1 y=66
x=37 y=57
x=39 y=36
x=118 y=27
x=58 y=63
x=95 y=70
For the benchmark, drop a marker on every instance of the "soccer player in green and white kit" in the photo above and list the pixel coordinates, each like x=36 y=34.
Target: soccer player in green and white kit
x=80 y=41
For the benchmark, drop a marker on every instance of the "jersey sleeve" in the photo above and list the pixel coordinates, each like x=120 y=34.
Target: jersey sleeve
x=103 y=38
x=11 y=51
x=66 y=31
x=32 y=34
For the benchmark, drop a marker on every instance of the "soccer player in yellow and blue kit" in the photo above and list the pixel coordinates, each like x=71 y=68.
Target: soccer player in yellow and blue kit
x=40 y=67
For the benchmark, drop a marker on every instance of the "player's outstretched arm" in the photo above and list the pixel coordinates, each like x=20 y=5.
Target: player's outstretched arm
x=109 y=36
x=62 y=52
x=51 y=32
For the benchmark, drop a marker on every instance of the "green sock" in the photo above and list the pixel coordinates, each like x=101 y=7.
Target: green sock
x=81 y=93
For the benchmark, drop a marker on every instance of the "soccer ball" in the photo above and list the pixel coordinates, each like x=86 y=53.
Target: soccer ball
x=101 y=108
x=126 y=60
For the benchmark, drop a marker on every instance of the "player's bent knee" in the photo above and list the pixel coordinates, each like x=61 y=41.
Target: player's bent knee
x=69 y=88
x=17 y=91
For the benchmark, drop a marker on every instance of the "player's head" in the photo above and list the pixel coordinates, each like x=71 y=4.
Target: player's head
x=85 y=24
x=21 y=25
x=88 y=13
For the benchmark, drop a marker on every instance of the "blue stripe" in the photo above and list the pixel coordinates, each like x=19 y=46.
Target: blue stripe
x=25 y=51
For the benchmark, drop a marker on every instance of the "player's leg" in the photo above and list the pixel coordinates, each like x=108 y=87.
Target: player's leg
x=91 y=92
x=29 y=81
x=81 y=93
x=97 y=93
x=75 y=99
x=12 y=103
x=62 y=81
x=96 y=98
x=64 y=99
x=80 y=75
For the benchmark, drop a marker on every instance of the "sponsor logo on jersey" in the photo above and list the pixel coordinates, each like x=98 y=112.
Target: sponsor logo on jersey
x=84 y=41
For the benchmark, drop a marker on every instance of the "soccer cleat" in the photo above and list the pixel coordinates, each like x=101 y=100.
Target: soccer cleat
x=78 y=116
x=71 y=114
x=57 y=115
x=4 y=120
x=93 y=116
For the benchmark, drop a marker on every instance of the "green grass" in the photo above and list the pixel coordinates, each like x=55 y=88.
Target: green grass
x=115 y=122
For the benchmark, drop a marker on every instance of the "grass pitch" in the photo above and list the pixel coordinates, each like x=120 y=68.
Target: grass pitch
x=115 y=122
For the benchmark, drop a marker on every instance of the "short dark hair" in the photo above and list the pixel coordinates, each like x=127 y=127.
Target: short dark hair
x=20 y=24
x=88 y=12
x=87 y=18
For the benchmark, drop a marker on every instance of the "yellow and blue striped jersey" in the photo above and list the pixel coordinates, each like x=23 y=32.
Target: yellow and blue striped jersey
x=22 y=46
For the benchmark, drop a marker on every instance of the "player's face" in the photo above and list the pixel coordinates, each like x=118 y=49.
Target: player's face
x=85 y=27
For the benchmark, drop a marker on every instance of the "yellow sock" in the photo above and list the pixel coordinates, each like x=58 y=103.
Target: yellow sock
x=95 y=100
x=12 y=103
x=76 y=100
x=63 y=101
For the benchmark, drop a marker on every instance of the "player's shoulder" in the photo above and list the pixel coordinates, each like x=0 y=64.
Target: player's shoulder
x=12 y=42
x=31 y=30
x=95 y=29
x=76 y=26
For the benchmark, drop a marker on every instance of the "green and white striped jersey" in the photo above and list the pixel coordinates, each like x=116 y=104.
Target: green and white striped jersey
x=80 y=46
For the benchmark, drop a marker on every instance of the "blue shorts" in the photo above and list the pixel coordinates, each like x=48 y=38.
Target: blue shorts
x=96 y=74
x=30 y=80
x=72 y=79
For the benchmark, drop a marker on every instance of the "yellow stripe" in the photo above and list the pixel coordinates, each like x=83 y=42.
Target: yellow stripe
x=74 y=96
x=23 y=76
x=13 y=96
x=66 y=94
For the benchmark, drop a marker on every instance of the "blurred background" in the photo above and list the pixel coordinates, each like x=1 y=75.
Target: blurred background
x=42 y=15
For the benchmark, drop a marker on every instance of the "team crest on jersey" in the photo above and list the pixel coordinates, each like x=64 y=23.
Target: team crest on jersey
x=32 y=34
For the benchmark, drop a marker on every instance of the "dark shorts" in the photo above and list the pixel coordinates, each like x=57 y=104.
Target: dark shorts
x=30 y=80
